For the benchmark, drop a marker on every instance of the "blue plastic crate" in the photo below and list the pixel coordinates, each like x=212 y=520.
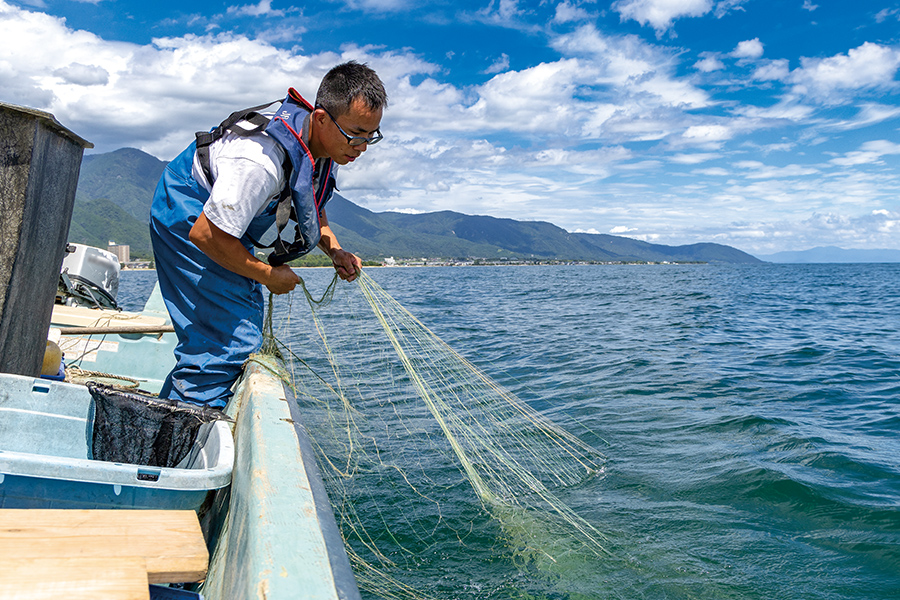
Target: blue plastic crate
x=45 y=434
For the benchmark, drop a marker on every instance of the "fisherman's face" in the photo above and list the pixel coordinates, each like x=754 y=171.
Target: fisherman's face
x=360 y=121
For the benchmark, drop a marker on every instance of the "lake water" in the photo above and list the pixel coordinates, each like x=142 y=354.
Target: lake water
x=750 y=416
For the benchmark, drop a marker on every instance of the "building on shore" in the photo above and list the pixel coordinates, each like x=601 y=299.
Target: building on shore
x=122 y=252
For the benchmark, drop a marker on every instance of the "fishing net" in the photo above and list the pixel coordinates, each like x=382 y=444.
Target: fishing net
x=444 y=484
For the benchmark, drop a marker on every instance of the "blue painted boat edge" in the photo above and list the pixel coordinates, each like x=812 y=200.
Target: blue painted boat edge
x=279 y=538
x=344 y=580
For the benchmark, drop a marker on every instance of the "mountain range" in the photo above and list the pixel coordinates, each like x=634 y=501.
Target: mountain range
x=115 y=190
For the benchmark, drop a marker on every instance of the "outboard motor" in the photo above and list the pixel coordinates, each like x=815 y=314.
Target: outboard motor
x=89 y=277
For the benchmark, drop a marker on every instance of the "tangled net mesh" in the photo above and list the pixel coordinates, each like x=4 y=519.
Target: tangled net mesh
x=435 y=472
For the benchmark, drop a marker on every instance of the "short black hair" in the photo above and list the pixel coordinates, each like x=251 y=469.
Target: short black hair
x=345 y=83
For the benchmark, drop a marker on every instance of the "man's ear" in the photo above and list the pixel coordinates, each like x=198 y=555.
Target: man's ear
x=319 y=115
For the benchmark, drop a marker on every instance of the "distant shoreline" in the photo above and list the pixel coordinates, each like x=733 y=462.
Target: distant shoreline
x=497 y=264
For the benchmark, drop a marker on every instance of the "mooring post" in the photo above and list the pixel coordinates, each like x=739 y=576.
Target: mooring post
x=39 y=164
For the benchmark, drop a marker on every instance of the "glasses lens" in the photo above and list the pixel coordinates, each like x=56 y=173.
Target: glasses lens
x=358 y=141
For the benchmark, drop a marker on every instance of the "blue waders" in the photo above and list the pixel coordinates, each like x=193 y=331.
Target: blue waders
x=217 y=314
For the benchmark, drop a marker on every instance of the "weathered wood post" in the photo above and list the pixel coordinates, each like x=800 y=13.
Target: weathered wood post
x=39 y=164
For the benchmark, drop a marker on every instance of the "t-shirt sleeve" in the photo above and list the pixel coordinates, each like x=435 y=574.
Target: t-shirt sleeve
x=242 y=189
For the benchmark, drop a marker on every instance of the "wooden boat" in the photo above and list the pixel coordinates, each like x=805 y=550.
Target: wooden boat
x=253 y=483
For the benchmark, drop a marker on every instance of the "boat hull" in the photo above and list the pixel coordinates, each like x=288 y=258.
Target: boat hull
x=277 y=537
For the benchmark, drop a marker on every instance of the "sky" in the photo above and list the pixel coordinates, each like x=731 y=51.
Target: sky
x=766 y=125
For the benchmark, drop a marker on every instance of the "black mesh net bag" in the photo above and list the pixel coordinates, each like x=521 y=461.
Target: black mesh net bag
x=139 y=429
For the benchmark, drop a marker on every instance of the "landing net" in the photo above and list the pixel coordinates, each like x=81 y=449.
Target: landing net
x=437 y=475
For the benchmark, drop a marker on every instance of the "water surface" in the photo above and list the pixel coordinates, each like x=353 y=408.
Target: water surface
x=750 y=416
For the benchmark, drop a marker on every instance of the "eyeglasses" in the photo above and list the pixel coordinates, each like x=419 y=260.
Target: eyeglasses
x=354 y=140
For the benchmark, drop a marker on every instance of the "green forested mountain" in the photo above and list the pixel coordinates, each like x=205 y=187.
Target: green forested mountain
x=101 y=221
x=127 y=177
x=452 y=234
x=112 y=202
x=115 y=190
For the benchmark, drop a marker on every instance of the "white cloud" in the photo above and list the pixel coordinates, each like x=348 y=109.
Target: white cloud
x=758 y=170
x=826 y=80
x=499 y=65
x=528 y=100
x=694 y=158
x=505 y=13
x=869 y=113
x=661 y=13
x=283 y=33
x=379 y=6
x=80 y=74
x=261 y=9
x=630 y=68
x=748 y=49
x=872 y=230
x=723 y=6
x=808 y=5
x=782 y=111
x=163 y=92
x=772 y=70
x=708 y=133
x=887 y=13
x=870 y=152
x=713 y=172
x=709 y=64
x=508 y=9
x=769 y=148
x=405 y=211
x=819 y=229
x=568 y=13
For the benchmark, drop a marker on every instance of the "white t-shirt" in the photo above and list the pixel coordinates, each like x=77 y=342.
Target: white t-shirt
x=248 y=175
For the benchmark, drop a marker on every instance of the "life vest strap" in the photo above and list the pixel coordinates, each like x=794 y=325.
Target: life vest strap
x=206 y=138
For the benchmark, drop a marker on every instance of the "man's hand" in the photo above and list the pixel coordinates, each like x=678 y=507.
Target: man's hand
x=282 y=280
x=347 y=265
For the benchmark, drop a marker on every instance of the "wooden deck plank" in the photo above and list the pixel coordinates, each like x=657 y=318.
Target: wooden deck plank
x=73 y=579
x=170 y=542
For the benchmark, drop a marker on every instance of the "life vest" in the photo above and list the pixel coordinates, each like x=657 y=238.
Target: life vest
x=300 y=200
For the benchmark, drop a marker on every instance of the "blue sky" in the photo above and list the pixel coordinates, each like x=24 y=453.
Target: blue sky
x=765 y=125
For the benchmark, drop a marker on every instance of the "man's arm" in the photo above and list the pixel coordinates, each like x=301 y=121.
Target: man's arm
x=346 y=264
x=229 y=252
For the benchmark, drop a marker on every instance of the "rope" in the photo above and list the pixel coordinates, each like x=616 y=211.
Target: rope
x=76 y=373
x=270 y=345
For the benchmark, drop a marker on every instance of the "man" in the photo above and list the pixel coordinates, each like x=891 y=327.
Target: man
x=219 y=196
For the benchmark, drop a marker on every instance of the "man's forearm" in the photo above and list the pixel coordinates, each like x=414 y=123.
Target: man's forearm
x=228 y=251
x=328 y=243
x=347 y=265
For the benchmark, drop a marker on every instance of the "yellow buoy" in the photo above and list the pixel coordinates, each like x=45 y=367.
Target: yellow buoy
x=52 y=359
